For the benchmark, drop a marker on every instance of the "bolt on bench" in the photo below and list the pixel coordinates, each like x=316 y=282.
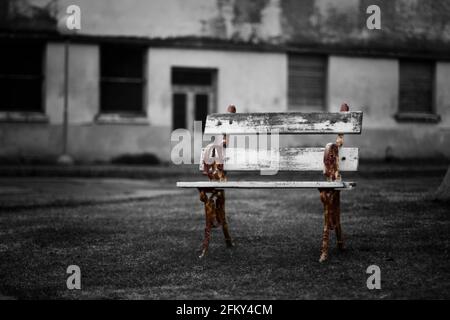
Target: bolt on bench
x=215 y=162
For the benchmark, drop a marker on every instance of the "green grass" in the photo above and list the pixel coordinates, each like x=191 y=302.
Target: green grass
x=148 y=249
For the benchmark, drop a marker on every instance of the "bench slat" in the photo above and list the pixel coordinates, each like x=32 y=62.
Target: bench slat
x=267 y=184
x=284 y=123
x=289 y=159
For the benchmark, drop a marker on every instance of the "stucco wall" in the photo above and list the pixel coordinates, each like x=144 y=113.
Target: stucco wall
x=87 y=139
x=297 y=22
x=369 y=83
x=252 y=81
x=86 y=142
x=372 y=86
x=443 y=92
x=331 y=23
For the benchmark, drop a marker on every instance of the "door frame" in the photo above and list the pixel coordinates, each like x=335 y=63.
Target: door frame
x=190 y=91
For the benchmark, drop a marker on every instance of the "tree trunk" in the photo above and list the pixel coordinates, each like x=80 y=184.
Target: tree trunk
x=443 y=192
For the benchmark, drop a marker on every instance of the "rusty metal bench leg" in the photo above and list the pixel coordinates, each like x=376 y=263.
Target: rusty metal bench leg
x=325 y=198
x=331 y=213
x=220 y=206
x=210 y=218
x=214 y=217
x=213 y=167
x=330 y=197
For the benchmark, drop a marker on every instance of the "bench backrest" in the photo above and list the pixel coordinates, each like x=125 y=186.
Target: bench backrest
x=285 y=123
x=288 y=159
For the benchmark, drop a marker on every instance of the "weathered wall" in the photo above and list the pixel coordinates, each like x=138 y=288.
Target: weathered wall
x=295 y=21
x=252 y=81
x=36 y=15
x=418 y=25
x=408 y=141
x=104 y=141
x=443 y=92
x=87 y=139
x=86 y=142
x=370 y=83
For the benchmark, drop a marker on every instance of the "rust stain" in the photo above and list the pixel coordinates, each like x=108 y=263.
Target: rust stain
x=331 y=162
x=213 y=161
x=214 y=217
x=331 y=198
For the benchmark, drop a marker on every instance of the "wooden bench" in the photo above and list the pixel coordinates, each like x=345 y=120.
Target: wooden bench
x=215 y=162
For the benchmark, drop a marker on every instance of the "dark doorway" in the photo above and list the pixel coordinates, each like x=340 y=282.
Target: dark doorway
x=193 y=96
x=179 y=111
x=201 y=108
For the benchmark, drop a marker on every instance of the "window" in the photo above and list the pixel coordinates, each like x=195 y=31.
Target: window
x=122 y=79
x=193 y=95
x=306 y=82
x=416 y=86
x=21 y=77
x=416 y=91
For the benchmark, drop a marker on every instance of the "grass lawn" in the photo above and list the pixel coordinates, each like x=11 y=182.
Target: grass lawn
x=148 y=249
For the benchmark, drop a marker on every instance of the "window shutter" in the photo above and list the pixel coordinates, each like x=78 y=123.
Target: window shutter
x=21 y=76
x=416 y=86
x=306 y=82
x=122 y=79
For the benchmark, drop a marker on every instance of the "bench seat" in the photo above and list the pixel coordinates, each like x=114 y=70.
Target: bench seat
x=345 y=185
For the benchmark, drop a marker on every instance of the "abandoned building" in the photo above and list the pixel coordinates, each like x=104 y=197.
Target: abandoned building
x=139 y=69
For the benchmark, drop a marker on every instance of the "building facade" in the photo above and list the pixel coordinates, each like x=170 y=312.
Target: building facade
x=139 y=69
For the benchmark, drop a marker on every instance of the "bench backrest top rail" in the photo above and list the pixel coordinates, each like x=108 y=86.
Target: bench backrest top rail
x=284 y=159
x=285 y=123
